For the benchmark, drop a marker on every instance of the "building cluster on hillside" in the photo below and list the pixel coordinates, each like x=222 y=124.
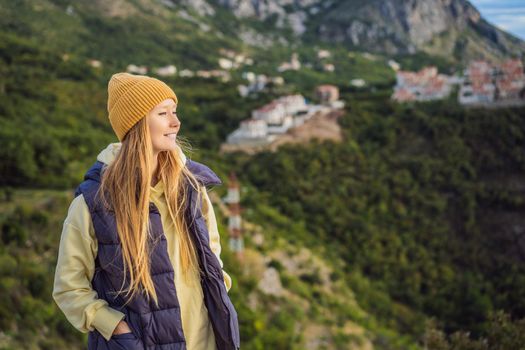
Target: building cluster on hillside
x=165 y=71
x=485 y=83
x=171 y=70
x=482 y=83
x=230 y=60
x=295 y=64
x=278 y=116
x=257 y=83
x=424 y=85
x=222 y=75
x=233 y=60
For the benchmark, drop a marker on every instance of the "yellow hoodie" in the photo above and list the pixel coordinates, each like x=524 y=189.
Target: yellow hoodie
x=76 y=265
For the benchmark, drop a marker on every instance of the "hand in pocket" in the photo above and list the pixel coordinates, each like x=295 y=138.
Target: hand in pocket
x=122 y=328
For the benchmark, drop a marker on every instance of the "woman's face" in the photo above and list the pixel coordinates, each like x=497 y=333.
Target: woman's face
x=163 y=126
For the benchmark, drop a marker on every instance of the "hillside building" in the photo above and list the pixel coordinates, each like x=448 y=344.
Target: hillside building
x=425 y=85
x=487 y=84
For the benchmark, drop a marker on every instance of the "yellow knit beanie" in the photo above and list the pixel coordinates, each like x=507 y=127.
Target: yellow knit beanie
x=131 y=97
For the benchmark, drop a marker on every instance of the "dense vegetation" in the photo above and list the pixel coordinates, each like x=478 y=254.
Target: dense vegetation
x=412 y=198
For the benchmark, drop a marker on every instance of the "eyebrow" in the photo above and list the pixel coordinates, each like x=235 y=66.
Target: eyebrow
x=165 y=107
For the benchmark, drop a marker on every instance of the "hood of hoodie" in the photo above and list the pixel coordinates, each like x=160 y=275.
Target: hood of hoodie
x=110 y=152
x=201 y=172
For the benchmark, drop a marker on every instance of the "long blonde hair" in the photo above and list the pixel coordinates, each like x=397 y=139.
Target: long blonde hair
x=125 y=190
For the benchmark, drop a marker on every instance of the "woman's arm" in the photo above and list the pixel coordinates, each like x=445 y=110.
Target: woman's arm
x=215 y=239
x=72 y=289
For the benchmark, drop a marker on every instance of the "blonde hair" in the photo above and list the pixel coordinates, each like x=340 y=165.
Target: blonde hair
x=125 y=189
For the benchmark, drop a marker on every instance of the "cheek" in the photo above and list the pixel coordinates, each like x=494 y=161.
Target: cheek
x=156 y=127
x=156 y=131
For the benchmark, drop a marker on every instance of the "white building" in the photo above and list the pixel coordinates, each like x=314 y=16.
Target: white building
x=323 y=54
x=286 y=123
x=394 y=65
x=225 y=63
x=275 y=111
x=223 y=75
x=270 y=120
x=474 y=94
x=328 y=67
x=254 y=128
x=277 y=80
x=166 y=71
x=294 y=64
x=357 y=82
x=243 y=90
x=337 y=104
x=252 y=131
x=95 y=63
x=293 y=103
x=478 y=86
x=272 y=113
x=131 y=68
x=186 y=73
x=233 y=60
x=250 y=76
x=257 y=82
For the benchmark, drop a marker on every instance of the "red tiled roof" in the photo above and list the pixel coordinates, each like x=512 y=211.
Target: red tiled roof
x=268 y=107
x=403 y=95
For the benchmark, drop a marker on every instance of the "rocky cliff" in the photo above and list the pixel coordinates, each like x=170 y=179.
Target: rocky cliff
x=443 y=27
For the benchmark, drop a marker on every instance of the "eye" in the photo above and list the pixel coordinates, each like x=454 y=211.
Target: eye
x=164 y=113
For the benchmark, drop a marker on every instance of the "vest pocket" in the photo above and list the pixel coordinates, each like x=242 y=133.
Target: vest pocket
x=123 y=335
x=125 y=341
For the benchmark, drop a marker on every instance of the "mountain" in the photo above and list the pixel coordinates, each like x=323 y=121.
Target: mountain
x=438 y=27
x=191 y=32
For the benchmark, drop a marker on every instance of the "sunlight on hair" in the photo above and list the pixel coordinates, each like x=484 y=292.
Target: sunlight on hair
x=125 y=186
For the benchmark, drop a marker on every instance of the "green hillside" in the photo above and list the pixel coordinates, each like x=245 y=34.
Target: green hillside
x=405 y=235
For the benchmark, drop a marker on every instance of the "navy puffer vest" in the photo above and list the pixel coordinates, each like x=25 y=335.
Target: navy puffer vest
x=158 y=328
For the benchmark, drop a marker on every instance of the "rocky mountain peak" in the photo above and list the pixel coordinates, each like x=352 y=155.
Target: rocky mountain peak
x=262 y=9
x=452 y=28
x=292 y=13
x=441 y=27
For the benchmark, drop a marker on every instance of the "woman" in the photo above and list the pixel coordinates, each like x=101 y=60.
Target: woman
x=139 y=261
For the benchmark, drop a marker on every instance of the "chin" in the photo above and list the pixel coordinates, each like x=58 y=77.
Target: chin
x=165 y=148
x=172 y=147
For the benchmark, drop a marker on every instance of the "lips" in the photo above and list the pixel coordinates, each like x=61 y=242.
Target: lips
x=172 y=136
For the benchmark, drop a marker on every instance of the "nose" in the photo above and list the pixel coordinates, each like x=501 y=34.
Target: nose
x=174 y=120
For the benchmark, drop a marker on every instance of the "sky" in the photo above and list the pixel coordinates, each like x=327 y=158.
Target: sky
x=508 y=15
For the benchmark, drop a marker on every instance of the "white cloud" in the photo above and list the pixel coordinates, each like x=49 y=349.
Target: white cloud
x=511 y=22
x=504 y=11
x=508 y=15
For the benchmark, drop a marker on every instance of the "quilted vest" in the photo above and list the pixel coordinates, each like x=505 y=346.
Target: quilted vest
x=157 y=327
